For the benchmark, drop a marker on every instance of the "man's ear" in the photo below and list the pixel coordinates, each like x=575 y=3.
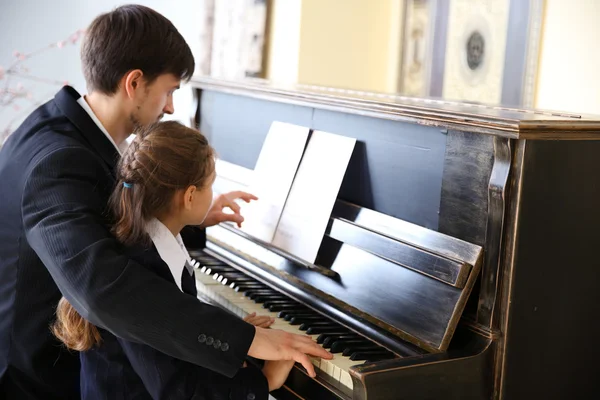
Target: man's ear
x=132 y=82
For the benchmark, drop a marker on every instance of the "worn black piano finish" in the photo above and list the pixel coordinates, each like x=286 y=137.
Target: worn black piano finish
x=494 y=298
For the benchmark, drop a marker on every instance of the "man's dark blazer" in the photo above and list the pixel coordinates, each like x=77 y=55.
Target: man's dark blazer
x=56 y=175
x=122 y=370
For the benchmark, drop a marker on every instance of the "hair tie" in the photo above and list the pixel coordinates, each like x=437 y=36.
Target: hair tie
x=128 y=185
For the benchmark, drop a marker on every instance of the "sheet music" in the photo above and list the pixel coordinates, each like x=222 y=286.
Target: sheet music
x=231 y=177
x=272 y=178
x=313 y=194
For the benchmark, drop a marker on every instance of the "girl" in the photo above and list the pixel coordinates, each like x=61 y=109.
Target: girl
x=164 y=184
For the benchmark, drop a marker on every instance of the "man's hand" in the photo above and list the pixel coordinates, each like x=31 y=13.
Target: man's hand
x=277 y=372
x=275 y=344
x=227 y=200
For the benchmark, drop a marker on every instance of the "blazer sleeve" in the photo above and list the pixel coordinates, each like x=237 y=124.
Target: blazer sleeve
x=62 y=212
x=166 y=378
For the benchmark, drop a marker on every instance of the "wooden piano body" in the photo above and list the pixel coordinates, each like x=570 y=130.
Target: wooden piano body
x=461 y=246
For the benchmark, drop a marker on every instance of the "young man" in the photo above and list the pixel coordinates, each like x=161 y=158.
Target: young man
x=56 y=173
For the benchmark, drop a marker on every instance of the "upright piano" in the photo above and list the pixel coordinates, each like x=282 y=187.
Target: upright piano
x=459 y=261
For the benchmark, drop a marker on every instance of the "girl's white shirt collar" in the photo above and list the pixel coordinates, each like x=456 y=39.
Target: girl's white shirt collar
x=170 y=248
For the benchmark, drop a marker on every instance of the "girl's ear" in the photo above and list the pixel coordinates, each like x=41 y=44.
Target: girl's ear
x=188 y=197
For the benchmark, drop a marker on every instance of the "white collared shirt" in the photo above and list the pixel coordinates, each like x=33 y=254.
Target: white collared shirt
x=170 y=248
x=84 y=104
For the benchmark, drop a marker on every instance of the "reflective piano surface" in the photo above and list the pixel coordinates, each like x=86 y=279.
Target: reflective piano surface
x=458 y=262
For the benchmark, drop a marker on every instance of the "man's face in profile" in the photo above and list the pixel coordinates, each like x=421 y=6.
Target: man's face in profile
x=156 y=101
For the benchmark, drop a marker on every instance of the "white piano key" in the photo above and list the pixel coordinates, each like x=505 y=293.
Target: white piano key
x=238 y=304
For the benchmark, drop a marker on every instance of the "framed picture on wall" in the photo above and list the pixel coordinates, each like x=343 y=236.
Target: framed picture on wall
x=479 y=51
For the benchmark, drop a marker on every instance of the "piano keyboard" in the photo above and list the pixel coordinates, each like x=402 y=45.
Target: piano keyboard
x=243 y=295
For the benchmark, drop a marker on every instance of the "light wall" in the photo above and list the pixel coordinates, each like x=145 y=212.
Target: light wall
x=284 y=41
x=353 y=44
x=569 y=65
x=28 y=25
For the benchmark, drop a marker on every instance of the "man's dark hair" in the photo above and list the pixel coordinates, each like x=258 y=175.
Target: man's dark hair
x=133 y=37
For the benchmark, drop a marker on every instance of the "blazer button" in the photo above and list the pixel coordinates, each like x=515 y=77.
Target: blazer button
x=225 y=346
x=202 y=338
x=251 y=396
x=217 y=344
x=209 y=340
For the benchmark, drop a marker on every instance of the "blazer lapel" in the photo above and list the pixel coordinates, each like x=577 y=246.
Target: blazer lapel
x=66 y=100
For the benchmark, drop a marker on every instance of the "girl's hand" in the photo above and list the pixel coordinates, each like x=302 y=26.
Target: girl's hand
x=262 y=321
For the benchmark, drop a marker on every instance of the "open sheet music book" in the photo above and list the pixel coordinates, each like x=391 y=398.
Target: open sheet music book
x=313 y=194
x=272 y=178
x=297 y=185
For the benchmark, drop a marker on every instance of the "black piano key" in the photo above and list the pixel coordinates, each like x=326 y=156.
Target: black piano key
x=253 y=285
x=349 y=342
x=380 y=357
x=219 y=268
x=270 y=303
x=198 y=255
x=322 y=323
x=322 y=337
x=297 y=320
x=289 y=315
x=310 y=324
x=243 y=287
x=251 y=294
x=236 y=276
x=327 y=339
x=269 y=297
x=371 y=355
x=234 y=279
x=287 y=307
x=211 y=272
x=348 y=349
x=315 y=330
x=210 y=263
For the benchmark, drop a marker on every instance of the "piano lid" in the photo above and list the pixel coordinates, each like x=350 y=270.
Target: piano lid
x=487 y=119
